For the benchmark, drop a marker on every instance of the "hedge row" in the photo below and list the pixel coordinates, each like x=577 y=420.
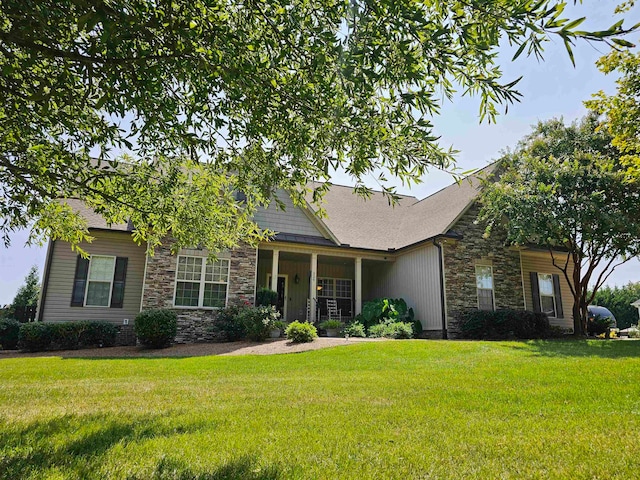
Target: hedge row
x=38 y=336
x=505 y=324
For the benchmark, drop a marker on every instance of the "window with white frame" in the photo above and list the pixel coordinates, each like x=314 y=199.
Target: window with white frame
x=547 y=296
x=343 y=288
x=484 y=284
x=201 y=283
x=340 y=289
x=325 y=287
x=100 y=281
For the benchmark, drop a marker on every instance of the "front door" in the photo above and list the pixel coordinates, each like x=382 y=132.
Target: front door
x=281 y=302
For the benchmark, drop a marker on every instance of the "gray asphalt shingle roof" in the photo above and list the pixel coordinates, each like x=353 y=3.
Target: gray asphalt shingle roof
x=374 y=224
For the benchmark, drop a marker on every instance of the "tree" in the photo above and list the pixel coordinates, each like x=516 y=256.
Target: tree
x=201 y=100
x=26 y=296
x=619 y=300
x=621 y=111
x=565 y=189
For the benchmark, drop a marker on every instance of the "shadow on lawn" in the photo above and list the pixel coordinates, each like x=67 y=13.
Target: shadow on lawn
x=581 y=348
x=78 y=447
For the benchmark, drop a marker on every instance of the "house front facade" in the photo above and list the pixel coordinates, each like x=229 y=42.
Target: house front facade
x=430 y=252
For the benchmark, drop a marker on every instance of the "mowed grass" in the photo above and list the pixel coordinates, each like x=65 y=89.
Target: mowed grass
x=398 y=409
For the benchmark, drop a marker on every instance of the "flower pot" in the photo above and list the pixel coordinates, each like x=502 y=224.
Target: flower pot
x=275 y=333
x=332 y=332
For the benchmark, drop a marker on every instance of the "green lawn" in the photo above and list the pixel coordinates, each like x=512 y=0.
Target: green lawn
x=399 y=409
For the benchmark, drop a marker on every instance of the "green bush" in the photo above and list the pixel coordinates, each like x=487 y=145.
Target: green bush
x=100 y=334
x=67 y=335
x=9 y=332
x=354 y=329
x=504 y=324
x=392 y=330
x=156 y=328
x=398 y=330
x=35 y=337
x=226 y=326
x=331 y=325
x=266 y=297
x=388 y=310
x=598 y=325
x=300 y=332
x=377 y=330
x=258 y=321
x=634 y=331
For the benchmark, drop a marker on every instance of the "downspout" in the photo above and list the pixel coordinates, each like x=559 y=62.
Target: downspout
x=442 y=293
x=45 y=281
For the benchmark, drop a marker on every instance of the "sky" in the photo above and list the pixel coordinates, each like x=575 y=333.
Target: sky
x=552 y=88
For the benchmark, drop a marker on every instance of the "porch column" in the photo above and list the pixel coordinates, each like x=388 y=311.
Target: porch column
x=274 y=270
x=313 y=288
x=358 y=282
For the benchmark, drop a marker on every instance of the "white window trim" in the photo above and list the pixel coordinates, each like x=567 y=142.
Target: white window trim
x=553 y=295
x=86 y=288
x=493 y=287
x=201 y=283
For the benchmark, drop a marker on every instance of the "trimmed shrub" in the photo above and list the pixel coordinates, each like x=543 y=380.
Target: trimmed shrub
x=156 y=328
x=226 y=327
x=331 y=325
x=504 y=324
x=67 y=335
x=35 y=337
x=377 y=330
x=9 y=332
x=301 y=332
x=355 y=329
x=258 y=321
x=266 y=297
x=100 y=334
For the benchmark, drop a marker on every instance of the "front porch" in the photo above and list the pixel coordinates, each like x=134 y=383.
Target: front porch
x=302 y=274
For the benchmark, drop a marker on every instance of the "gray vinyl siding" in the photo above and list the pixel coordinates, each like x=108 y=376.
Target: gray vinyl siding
x=297 y=294
x=540 y=262
x=61 y=275
x=414 y=276
x=292 y=220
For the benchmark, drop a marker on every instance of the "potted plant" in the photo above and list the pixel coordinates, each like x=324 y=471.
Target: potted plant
x=332 y=327
x=277 y=328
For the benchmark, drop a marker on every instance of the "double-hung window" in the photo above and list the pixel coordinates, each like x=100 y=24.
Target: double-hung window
x=201 y=283
x=484 y=284
x=547 y=296
x=100 y=281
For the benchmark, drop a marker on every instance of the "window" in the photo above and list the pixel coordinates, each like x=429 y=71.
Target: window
x=100 y=281
x=547 y=296
x=340 y=289
x=201 y=283
x=484 y=284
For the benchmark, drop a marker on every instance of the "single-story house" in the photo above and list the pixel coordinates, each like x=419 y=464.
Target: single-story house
x=431 y=252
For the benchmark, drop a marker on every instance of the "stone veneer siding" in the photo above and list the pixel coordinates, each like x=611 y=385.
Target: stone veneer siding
x=460 y=260
x=194 y=325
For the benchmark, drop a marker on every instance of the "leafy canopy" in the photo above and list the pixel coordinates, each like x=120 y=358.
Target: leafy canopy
x=28 y=293
x=205 y=99
x=565 y=189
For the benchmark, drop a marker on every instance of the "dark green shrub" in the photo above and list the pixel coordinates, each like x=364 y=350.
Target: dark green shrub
x=100 y=334
x=598 y=325
x=354 y=329
x=226 y=327
x=266 y=297
x=67 y=335
x=504 y=324
x=258 y=321
x=35 y=337
x=301 y=332
x=9 y=332
x=156 y=328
